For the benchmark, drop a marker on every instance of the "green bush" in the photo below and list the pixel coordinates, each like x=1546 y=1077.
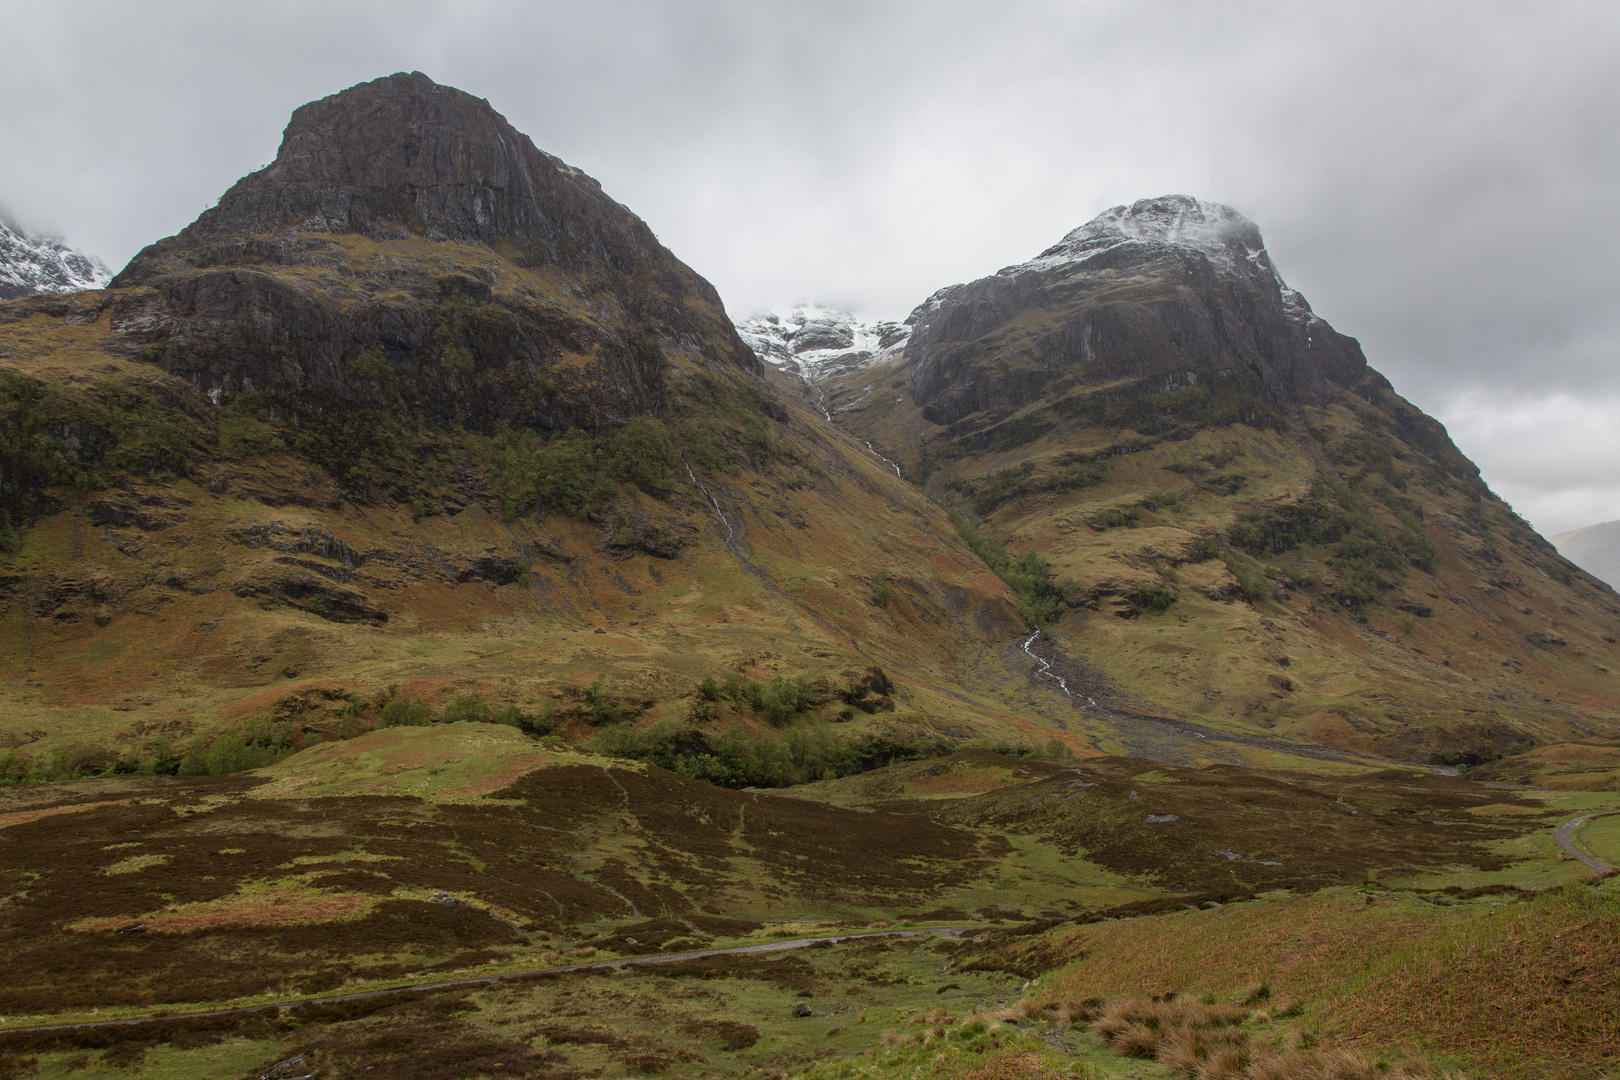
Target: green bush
x=883 y=593
x=572 y=473
x=543 y=724
x=253 y=744
x=406 y=712
x=604 y=709
x=466 y=708
x=1155 y=598
x=643 y=453
x=1117 y=517
x=708 y=689
x=1415 y=544
x=1205 y=548
x=783 y=699
x=1250 y=582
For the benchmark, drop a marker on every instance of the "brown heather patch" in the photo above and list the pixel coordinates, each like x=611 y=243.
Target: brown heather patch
x=285 y=905
x=1027 y=1065
x=964 y=781
x=1200 y=1041
x=21 y=817
x=558 y=850
x=1233 y=831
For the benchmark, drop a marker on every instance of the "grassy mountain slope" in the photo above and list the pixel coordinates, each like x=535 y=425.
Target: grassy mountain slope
x=1248 y=534
x=408 y=413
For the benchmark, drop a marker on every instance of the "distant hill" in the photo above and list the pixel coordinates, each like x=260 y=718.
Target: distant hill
x=1595 y=549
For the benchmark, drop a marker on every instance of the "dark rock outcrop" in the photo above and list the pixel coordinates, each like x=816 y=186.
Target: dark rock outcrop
x=1167 y=292
x=407 y=242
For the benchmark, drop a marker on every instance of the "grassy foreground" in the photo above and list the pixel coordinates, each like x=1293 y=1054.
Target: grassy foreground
x=1121 y=920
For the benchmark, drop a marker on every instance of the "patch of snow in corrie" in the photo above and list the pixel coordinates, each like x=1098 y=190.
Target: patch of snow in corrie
x=32 y=264
x=809 y=341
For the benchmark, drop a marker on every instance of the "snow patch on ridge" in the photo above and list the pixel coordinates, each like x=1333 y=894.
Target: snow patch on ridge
x=811 y=341
x=31 y=264
x=1230 y=241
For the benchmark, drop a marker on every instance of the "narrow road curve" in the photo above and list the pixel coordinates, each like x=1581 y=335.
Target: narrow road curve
x=1566 y=840
x=505 y=976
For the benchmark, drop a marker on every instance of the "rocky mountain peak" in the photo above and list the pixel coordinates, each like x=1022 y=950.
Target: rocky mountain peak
x=404 y=156
x=1169 y=219
x=403 y=153
x=1170 y=290
x=1230 y=241
x=31 y=264
x=408 y=222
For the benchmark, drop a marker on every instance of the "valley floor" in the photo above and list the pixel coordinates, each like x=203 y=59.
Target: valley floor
x=1388 y=913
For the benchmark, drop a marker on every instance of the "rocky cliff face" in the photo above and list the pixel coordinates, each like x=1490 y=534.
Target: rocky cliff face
x=409 y=223
x=1172 y=290
x=31 y=265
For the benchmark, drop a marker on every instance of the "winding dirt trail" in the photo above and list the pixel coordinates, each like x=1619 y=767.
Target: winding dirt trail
x=505 y=976
x=1565 y=835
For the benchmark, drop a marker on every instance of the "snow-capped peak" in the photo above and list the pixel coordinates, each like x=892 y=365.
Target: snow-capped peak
x=808 y=340
x=1229 y=240
x=31 y=264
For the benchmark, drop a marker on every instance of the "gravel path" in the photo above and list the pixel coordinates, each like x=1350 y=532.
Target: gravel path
x=505 y=976
x=1566 y=840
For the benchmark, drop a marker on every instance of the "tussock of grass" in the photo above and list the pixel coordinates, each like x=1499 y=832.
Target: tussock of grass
x=974 y=1047
x=1203 y=1041
x=1497 y=986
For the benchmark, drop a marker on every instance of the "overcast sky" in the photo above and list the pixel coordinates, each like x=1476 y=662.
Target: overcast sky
x=1441 y=180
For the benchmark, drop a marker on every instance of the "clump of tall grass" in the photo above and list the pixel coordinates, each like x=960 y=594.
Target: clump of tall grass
x=1203 y=1040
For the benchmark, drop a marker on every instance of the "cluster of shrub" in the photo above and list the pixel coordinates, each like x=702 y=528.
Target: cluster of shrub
x=576 y=473
x=467 y=708
x=1040 y=601
x=802 y=754
x=1367 y=557
x=778 y=701
x=262 y=741
x=251 y=744
x=54 y=437
x=1068 y=472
